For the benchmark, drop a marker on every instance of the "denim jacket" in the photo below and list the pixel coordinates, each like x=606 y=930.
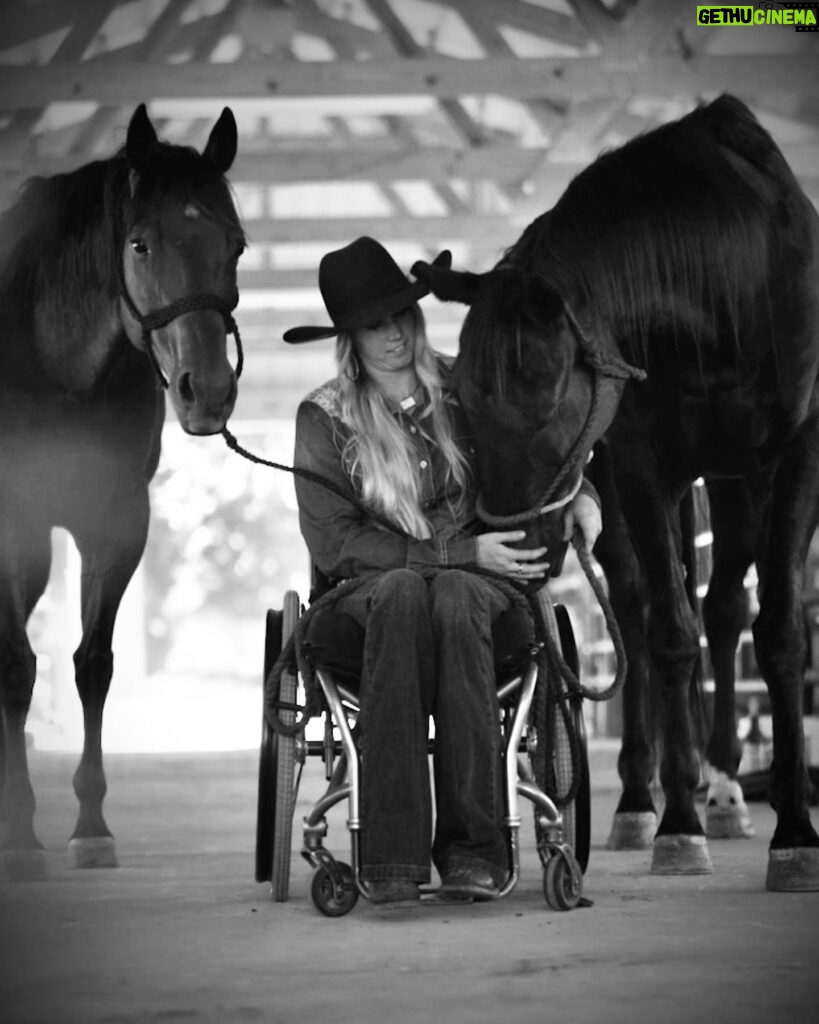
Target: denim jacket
x=342 y=539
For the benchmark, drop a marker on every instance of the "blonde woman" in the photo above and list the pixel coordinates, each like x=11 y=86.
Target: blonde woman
x=388 y=431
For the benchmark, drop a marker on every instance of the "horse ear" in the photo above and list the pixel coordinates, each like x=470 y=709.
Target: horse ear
x=449 y=285
x=220 y=149
x=141 y=139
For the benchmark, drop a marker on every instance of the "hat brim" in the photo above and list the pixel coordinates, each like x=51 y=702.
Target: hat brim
x=392 y=304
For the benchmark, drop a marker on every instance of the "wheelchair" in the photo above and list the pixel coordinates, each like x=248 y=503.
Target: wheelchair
x=544 y=749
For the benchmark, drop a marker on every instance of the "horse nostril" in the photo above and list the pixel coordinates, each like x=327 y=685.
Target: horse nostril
x=186 y=388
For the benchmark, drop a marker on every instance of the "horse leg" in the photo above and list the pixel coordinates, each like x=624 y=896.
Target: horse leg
x=735 y=524
x=680 y=845
x=108 y=565
x=25 y=559
x=635 y=818
x=779 y=641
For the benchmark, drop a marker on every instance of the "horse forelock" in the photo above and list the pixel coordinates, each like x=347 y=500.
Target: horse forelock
x=666 y=217
x=487 y=351
x=514 y=310
x=181 y=172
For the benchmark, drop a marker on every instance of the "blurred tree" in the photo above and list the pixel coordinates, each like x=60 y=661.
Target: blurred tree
x=224 y=535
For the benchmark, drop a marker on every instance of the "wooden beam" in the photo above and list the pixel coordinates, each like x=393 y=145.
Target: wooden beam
x=463 y=124
x=345 y=38
x=254 y=323
x=87 y=20
x=494 y=163
x=511 y=165
x=95 y=131
x=599 y=21
x=424 y=230
x=437 y=77
x=378 y=161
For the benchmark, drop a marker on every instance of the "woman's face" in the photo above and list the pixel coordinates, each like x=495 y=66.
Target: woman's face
x=388 y=345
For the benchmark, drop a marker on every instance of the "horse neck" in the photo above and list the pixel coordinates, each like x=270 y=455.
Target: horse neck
x=78 y=356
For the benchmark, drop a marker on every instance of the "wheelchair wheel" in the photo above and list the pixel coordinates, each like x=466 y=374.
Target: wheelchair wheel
x=552 y=762
x=580 y=808
x=330 y=900
x=562 y=882
x=277 y=764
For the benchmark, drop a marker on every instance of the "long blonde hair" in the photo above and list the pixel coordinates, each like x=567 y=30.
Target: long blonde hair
x=378 y=455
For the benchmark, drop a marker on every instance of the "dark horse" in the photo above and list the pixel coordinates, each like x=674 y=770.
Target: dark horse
x=115 y=280
x=669 y=304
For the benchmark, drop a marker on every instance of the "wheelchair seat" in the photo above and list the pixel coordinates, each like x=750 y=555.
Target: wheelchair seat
x=335 y=641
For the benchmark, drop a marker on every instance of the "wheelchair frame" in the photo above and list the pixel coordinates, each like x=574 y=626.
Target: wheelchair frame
x=562 y=838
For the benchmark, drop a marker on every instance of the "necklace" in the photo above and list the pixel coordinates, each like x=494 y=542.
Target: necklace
x=410 y=401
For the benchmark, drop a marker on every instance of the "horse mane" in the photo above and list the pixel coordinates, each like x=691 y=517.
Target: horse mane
x=60 y=234
x=673 y=223
x=61 y=241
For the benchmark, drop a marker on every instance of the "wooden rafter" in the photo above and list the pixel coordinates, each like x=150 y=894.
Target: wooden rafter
x=437 y=77
x=424 y=230
x=152 y=47
x=385 y=164
x=87 y=21
x=537 y=21
x=21 y=23
x=463 y=124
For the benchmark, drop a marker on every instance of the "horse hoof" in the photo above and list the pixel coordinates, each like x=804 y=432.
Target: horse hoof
x=726 y=813
x=92 y=852
x=681 y=855
x=795 y=869
x=632 y=830
x=22 y=865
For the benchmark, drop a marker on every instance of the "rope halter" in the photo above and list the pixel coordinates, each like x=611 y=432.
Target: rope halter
x=161 y=317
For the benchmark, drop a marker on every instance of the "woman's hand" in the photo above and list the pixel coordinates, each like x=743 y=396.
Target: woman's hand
x=520 y=564
x=583 y=513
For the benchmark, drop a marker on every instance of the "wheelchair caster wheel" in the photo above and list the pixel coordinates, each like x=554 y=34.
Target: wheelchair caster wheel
x=562 y=881
x=331 y=900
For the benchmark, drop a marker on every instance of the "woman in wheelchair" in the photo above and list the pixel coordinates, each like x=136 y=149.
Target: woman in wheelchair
x=389 y=432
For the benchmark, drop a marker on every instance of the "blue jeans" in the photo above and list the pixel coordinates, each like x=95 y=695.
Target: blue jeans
x=428 y=651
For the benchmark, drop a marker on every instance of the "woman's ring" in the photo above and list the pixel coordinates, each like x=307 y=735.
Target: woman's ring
x=518 y=569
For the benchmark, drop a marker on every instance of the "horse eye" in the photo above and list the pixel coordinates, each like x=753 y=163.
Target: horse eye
x=238 y=252
x=139 y=246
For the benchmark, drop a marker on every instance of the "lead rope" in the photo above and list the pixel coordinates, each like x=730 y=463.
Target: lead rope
x=313 y=477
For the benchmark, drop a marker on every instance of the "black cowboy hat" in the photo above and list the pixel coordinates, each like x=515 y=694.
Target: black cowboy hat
x=361 y=284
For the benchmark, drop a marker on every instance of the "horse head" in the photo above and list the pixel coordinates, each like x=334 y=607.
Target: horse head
x=182 y=240
x=537 y=391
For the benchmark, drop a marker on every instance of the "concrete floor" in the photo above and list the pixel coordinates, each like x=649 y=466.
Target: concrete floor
x=181 y=932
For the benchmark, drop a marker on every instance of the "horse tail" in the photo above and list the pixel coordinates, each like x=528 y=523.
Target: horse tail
x=691 y=519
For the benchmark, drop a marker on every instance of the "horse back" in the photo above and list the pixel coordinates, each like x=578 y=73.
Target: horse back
x=734 y=128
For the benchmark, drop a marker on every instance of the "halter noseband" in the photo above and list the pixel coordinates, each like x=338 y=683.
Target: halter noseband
x=164 y=315
x=601 y=366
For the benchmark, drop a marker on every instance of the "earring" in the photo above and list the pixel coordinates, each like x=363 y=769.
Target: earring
x=353 y=370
